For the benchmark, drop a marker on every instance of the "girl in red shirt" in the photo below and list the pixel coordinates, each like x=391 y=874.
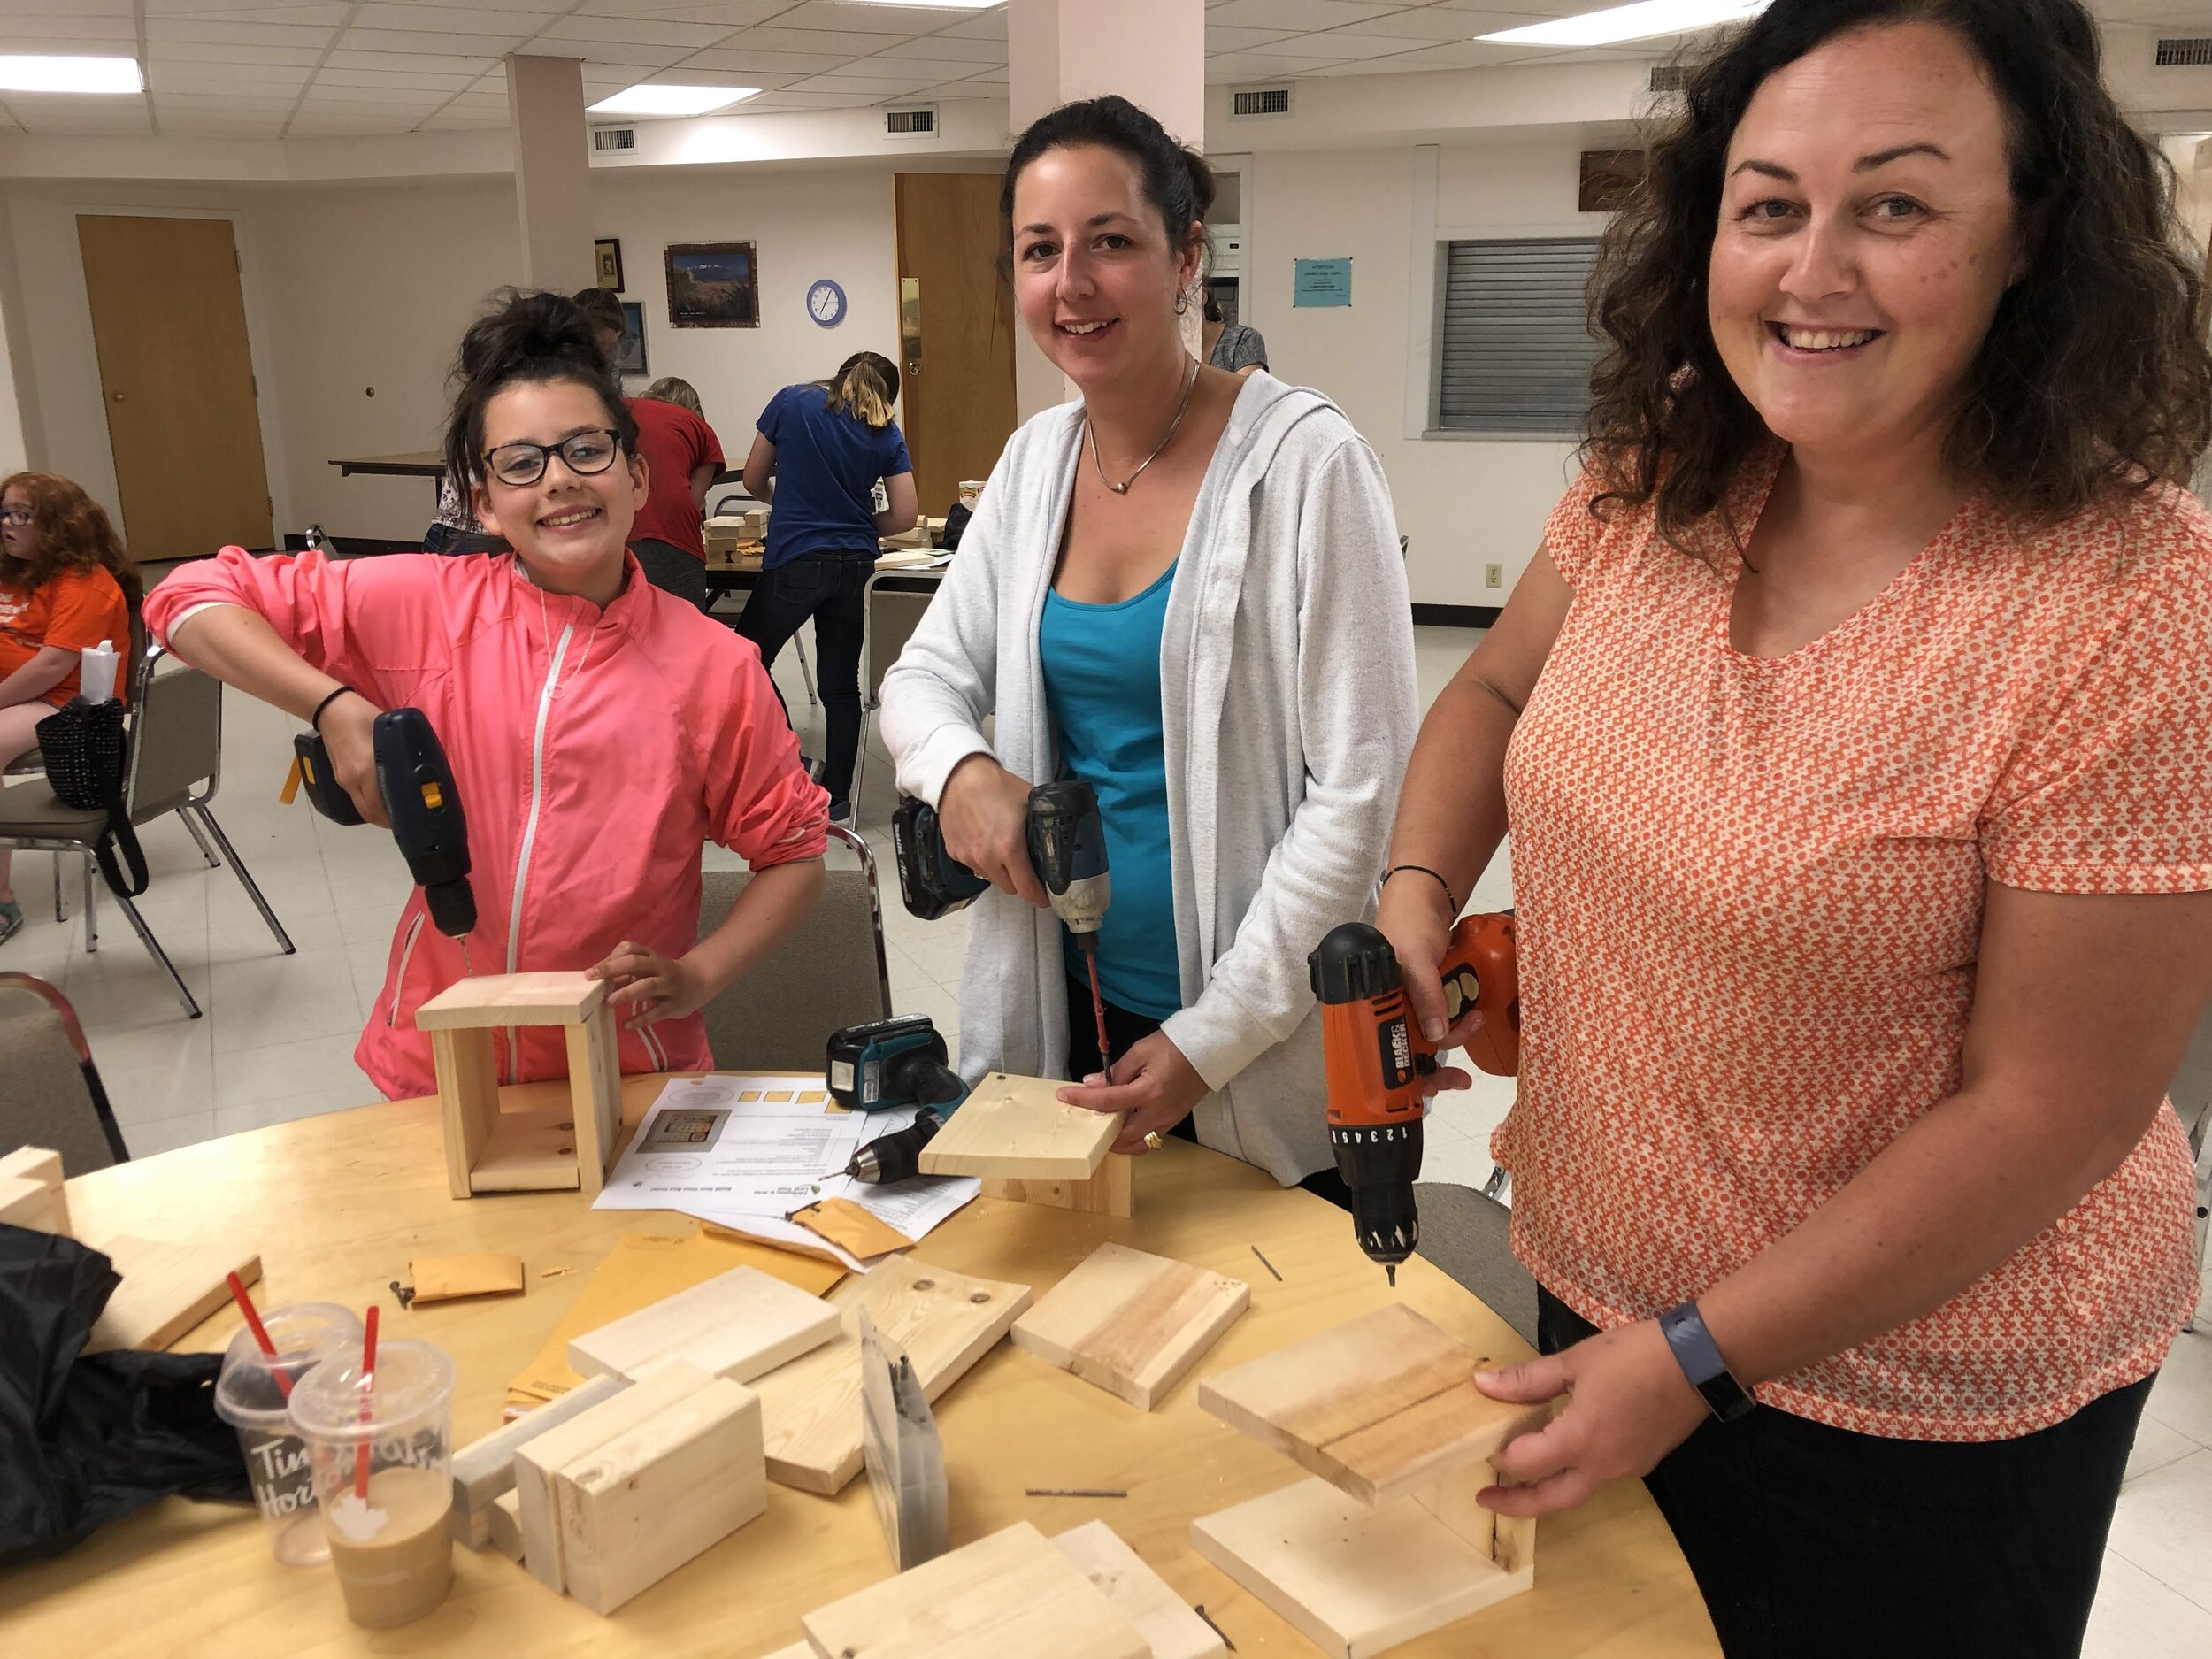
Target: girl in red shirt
x=65 y=583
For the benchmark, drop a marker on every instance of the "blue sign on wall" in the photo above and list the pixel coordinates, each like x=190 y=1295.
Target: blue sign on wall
x=1321 y=282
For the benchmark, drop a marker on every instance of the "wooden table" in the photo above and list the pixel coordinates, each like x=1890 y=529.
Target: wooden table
x=339 y=1204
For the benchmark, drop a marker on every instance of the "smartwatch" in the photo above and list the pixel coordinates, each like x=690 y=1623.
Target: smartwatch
x=1699 y=1357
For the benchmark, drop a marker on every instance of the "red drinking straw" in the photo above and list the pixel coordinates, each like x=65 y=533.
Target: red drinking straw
x=260 y=1331
x=368 y=1389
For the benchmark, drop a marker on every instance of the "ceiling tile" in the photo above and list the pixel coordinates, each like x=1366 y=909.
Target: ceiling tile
x=200 y=52
x=234 y=34
x=456 y=19
x=1338 y=44
x=392 y=80
x=1296 y=14
x=635 y=32
x=730 y=14
x=332 y=15
x=794 y=40
x=870 y=19
x=947 y=48
x=197 y=77
x=868 y=87
x=1239 y=66
x=407 y=62
x=467 y=45
x=745 y=60
x=42 y=34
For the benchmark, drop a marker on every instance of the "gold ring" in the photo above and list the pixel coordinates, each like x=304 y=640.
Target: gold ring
x=1152 y=1139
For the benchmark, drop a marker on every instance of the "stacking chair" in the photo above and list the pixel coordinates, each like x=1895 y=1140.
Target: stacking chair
x=892 y=614
x=174 y=764
x=830 y=973
x=54 y=1098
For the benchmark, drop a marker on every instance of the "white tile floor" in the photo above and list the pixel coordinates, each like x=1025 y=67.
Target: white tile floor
x=277 y=1042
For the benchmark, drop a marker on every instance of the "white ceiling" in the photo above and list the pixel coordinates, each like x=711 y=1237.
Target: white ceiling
x=299 y=68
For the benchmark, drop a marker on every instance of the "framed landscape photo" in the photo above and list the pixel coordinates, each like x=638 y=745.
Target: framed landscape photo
x=629 y=356
x=608 y=255
x=713 y=284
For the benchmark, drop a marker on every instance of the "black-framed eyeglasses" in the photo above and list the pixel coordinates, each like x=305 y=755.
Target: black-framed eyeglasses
x=583 y=453
x=18 y=516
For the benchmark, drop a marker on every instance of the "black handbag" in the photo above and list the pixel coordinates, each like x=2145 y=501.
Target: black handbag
x=82 y=745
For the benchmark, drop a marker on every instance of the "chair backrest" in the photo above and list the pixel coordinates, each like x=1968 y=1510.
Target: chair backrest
x=829 y=974
x=891 y=617
x=53 y=1098
x=176 y=736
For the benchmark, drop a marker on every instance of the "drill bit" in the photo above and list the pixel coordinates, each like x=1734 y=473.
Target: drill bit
x=1391 y=1270
x=1098 y=1011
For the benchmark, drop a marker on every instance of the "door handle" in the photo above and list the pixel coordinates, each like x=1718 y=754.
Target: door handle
x=119 y=396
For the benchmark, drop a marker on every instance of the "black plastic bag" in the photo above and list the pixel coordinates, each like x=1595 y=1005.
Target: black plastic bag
x=86 y=1440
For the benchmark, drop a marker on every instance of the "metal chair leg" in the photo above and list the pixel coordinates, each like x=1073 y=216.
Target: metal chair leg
x=91 y=909
x=1499 y=1186
x=199 y=837
x=153 y=948
x=860 y=764
x=238 y=869
x=806 y=671
x=61 y=909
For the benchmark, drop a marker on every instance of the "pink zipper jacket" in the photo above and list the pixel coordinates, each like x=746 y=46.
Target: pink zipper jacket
x=596 y=751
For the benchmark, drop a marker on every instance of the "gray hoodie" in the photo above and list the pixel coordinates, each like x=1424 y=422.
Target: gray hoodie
x=1287 y=695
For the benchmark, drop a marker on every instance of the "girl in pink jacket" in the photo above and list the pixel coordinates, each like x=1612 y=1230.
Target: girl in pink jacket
x=600 y=732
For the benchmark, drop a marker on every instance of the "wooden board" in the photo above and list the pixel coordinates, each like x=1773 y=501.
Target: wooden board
x=524 y=1152
x=35 y=1164
x=1111 y=1191
x=468 y=1099
x=945 y=1322
x=503 y=1525
x=485 y=1468
x=905 y=1457
x=25 y=1202
x=512 y=999
x=1011 y=1595
x=1139 y=1594
x=1356 y=1581
x=1016 y=1128
x=1380 y=1406
x=739 y=1325
x=641 y=1505
x=167 y=1290
x=538 y=1461
x=1131 y=1322
x=595 y=1091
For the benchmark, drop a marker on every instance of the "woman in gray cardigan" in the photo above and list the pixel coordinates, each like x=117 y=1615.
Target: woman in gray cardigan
x=1185 y=589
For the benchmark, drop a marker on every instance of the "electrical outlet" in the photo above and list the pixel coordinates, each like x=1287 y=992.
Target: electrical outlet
x=1493 y=576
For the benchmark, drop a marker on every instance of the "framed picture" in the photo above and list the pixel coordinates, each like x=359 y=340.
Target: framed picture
x=713 y=284
x=629 y=356
x=609 y=254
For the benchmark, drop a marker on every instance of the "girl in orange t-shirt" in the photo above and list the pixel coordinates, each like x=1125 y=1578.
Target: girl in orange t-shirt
x=65 y=584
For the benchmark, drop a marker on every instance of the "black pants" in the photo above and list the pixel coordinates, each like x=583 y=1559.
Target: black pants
x=1124 y=1028
x=1809 y=1541
x=827 y=586
x=673 y=571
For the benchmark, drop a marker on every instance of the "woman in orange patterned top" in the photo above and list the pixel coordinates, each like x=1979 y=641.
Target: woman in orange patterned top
x=1853 y=727
x=65 y=583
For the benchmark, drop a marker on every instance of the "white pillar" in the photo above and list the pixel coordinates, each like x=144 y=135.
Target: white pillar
x=1152 y=52
x=545 y=97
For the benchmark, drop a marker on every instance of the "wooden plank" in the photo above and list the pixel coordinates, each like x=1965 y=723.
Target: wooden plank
x=738 y=1325
x=1111 y=1191
x=167 y=1290
x=36 y=1165
x=527 y=1152
x=1016 y=1128
x=905 y=1457
x=503 y=1525
x=1356 y=1580
x=1131 y=1322
x=28 y=1203
x=468 y=1098
x=485 y=1468
x=945 y=1322
x=1011 y=1595
x=1380 y=1406
x=538 y=1460
x=641 y=1505
x=512 y=999
x=1140 y=1595
x=594 y=1089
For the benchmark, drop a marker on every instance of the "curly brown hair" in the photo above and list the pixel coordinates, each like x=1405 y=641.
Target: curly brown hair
x=74 y=532
x=2093 y=382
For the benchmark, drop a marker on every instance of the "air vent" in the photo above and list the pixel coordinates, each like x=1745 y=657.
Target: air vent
x=916 y=123
x=604 y=139
x=1260 y=101
x=2184 y=51
x=1669 y=77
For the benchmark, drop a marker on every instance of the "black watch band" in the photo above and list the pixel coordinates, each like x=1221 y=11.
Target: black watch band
x=1699 y=1357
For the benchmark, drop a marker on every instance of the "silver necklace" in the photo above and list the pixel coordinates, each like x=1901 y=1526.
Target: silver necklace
x=1190 y=384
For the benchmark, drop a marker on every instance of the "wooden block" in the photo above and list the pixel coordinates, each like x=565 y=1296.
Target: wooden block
x=167 y=1290
x=1356 y=1580
x=35 y=1164
x=899 y=1445
x=485 y=1468
x=471 y=1528
x=27 y=1203
x=945 y=1322
x=523 y=1152
x=1381 y=1405
x=1109 y=1192
x=1016 y=1128
x=537 y=1462
x=1132 y=1324
x=494 y=1000
x=468 y=1099
x=1139 y=1594
x=738 y=1325
x=503 y=1518
x=594 y=1086
x=638 y=1506
x=1007 y=1596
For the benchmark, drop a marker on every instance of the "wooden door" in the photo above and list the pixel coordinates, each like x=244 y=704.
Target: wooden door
x=176 y=378
x=956 y=331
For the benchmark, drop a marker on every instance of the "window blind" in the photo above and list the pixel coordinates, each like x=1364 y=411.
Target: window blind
x=1516 y=351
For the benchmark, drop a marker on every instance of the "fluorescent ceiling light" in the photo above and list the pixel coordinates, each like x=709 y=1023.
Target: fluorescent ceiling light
x=19 y=73
x=645 y=98
x=1629 y=23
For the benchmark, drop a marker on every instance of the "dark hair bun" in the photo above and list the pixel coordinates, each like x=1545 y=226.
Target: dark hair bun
x=526 y=336
x=1176 y=181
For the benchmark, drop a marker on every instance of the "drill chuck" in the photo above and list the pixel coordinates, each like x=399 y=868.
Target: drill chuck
x=1379 y=1163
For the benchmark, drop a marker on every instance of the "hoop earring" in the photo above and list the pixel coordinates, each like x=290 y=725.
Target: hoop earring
x=1182 y=303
